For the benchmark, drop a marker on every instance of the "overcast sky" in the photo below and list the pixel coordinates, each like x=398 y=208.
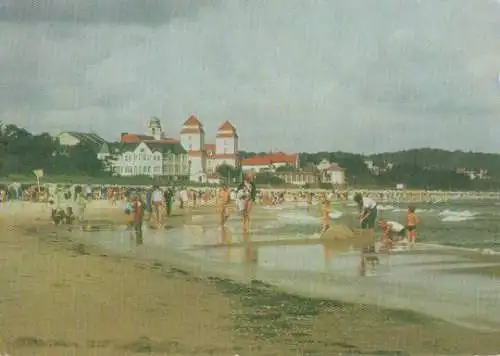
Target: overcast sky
x=295 y=75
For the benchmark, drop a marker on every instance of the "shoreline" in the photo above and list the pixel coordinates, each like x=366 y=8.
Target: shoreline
x=257 y=319
x=274 y=316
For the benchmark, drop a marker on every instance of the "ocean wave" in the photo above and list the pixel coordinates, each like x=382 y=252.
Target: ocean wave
x=386 y=207
x=298 y=218
x=272 y=207
x=482 y=251
x=336 y=214
x=457 y=216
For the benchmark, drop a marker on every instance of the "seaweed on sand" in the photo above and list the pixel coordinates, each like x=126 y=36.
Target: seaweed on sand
x=276 y=316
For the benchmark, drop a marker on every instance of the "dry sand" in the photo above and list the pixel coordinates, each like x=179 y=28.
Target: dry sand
x=60 y=297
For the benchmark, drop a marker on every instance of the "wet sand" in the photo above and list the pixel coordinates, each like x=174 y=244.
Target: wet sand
x=63 y=297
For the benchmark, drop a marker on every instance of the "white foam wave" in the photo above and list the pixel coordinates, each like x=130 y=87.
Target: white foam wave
x=336 y=214
x=272 y=207
x=297 y=218
x=386 y=207
x=456 y=216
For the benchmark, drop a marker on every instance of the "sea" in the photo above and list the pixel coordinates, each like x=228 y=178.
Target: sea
x=468 y=224
x=451 y=274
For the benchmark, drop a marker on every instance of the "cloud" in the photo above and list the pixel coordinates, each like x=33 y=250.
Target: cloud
x=292 y=75
x=144 y=12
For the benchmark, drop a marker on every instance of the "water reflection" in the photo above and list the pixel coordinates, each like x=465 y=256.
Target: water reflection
x=251 y=255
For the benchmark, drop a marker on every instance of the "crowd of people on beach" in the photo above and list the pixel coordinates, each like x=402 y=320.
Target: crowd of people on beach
x=154 y=204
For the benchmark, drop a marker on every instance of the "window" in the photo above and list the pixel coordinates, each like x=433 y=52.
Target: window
x=225 y=142
x=189 y=138
x=225 y=150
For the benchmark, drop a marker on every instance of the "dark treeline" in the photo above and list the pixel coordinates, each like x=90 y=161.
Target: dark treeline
x=21 y=152
x=417 y=169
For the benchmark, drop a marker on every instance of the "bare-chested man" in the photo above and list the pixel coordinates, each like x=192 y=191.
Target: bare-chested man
x=223 y=204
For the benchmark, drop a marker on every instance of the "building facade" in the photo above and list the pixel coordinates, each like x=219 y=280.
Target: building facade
x=270 y=162
x=331 y=173
x=203 y=158
x=72 y=138
x=152 y=159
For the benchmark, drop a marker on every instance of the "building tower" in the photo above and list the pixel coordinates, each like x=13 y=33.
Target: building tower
x=193 y=141
x=155 y=129
x=226 y=145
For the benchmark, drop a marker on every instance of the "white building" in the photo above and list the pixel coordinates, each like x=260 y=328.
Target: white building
x=71 y=138
x=153 y=159
x=331 y=173
x=270 y=162
x=203 y=158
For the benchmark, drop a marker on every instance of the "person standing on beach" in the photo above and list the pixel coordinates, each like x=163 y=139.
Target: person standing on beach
x=368 y=211
x=247 y=193
x=157 y=199
x=148 y=206
x=325 y=214
x=411 y=225
x=169 y=197
x=367 y=218
x=222 y=204
x=137 y=218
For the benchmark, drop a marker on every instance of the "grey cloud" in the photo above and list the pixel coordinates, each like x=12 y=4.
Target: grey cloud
x=293 y=75
x=149 y=12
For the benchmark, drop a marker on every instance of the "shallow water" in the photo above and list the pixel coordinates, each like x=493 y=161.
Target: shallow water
x=433 y=279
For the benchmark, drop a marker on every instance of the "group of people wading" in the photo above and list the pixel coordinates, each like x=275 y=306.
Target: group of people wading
x=245 y=197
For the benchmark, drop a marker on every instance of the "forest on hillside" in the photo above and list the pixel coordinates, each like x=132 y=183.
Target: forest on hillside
x=417 y=168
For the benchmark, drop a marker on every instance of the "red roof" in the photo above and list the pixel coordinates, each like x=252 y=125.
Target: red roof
x=226 y=130
x=193 y=121
x=133 y=138
x=209 y=147
x=227 y=126
x=266 y=160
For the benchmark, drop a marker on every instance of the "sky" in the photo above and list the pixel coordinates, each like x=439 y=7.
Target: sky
x=319 y=75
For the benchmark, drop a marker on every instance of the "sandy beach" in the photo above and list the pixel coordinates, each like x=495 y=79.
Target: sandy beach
x=63 y=297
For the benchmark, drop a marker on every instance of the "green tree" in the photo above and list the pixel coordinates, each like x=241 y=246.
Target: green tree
x=229 y=173
x=268 y=178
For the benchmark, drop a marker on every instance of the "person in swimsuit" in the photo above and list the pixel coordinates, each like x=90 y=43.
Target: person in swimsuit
x=325 y=214
x=223 y=204
x=411 y=225
x=247 y=193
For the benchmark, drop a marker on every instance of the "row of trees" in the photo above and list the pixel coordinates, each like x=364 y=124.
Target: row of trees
x=417 y=169
x=21 y=152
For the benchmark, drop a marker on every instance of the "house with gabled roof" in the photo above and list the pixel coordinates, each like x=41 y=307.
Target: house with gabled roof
x=73 y=138
x=152 y=158
x=204 y=158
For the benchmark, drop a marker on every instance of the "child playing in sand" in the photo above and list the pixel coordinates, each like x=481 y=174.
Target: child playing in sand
x=393 y=231
x=411 y=225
